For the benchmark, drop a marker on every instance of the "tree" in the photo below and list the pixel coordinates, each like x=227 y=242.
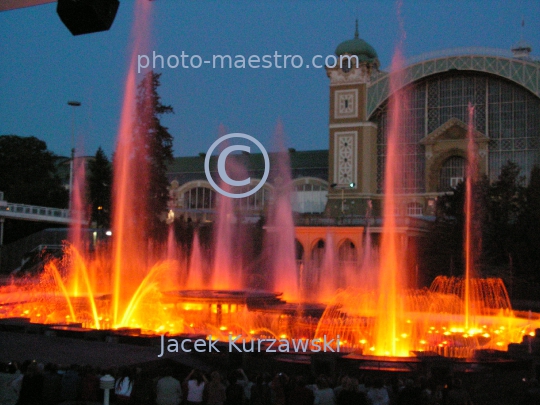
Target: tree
x=155 y=143
x=442 y=251
x=527 y=254
x=99 y=188
x=506 y=205
x=445 y=242
x=29 y=175
x=504 y=219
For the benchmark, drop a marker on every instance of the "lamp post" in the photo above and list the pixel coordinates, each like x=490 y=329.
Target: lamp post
x=342 y=187
x=106 y=383
x=71 y=163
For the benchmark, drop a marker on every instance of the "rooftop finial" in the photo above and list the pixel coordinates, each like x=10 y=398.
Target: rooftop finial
x=356 y=30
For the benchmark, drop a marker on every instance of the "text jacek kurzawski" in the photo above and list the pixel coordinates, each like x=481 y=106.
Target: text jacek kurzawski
x=237 y=344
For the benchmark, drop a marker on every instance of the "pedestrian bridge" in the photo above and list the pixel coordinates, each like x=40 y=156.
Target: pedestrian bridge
x=33 y=212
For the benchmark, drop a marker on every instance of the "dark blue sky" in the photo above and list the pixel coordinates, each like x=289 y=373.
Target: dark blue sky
x=43 y=65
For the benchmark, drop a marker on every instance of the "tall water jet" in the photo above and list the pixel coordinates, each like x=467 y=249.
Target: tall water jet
x=390 y=310
x=227 y=274
x=130 y=174
x=328 y=280
x=368 y=266
x=173 y=255
x=195 y=279
x=226 y=269
x=280 y=242
x=81 y=280
x=52 y=269
x=471 y=230
x=78 y=214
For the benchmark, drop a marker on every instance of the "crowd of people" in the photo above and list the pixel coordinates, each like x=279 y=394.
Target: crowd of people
x=32 y=383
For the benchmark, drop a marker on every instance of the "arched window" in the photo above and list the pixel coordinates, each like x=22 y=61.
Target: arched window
x=255 y=201
x=299 y=250
x=503 y=110
x=452 y=173
x=199 y=198
x=310 y=195
x=317 y=253
x=347 y=251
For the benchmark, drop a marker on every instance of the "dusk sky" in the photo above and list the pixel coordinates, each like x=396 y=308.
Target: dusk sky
x=43 y=66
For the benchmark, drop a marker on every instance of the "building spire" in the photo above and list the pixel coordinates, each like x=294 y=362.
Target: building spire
x=356 y=30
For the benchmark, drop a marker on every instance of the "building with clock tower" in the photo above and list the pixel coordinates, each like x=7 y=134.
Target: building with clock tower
x=353 y=138
x=343 y=184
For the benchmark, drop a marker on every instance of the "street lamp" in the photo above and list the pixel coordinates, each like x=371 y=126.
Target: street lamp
x=71 y=163
x=342 y=187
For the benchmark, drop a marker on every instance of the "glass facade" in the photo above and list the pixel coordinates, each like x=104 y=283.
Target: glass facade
x=200 y=198
x=255 y=201
x=206 y=198
x=452 y=173
x=507 y=113
x=310 y=198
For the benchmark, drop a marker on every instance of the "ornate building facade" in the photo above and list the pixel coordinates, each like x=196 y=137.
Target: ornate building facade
x=346 y=180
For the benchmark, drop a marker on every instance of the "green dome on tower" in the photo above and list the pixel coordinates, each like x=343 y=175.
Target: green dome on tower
x=358 y=47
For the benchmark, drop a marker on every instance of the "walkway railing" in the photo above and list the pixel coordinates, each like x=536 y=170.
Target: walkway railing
x=34 y=212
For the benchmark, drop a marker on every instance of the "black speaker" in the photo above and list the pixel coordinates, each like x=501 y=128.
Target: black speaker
x=87 y=16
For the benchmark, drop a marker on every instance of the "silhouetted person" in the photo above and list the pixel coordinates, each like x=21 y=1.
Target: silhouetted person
x=52 y=385
x=10 y=385
x=234 y=392
x=458 y=395
x=90 y=391
x=70 y=384
x=142 y=391
x=300 y=394
x=215 y=390
x=261 y=393
x=350 y=394
x=195 y=383
x=280 y=387
x=32 y=386
x=168 y=390
x=532 y=393
x=411 y=394
x=123 y=386
x=324 y=394
x=378 y=394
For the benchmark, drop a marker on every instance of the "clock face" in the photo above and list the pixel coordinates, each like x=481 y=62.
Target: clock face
x=346 y=103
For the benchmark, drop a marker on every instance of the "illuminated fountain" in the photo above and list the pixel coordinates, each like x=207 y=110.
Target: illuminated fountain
x=152 y=289
x=456 y=316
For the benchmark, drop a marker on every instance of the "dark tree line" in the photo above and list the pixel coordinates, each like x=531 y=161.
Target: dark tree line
x=153 y=147
x=99 y=189
x=507 y=221
x=29 y=174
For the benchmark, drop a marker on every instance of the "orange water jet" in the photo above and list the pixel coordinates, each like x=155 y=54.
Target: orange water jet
x=389 y=323
x=130 y=168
